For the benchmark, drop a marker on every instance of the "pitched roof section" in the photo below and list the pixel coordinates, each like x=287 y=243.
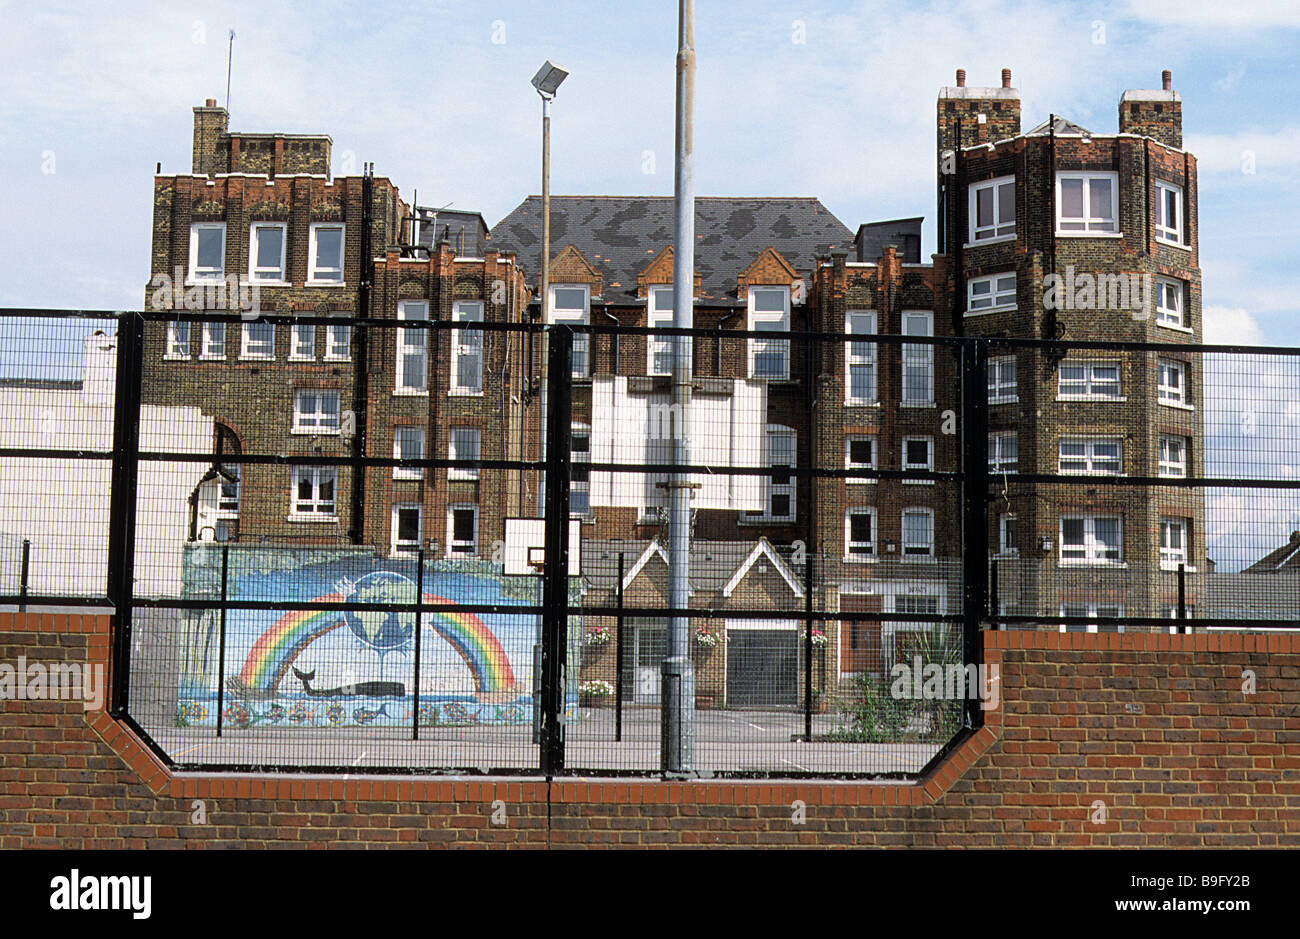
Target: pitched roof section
x=1061 y=126
x=620 y=235
x=1285 y=558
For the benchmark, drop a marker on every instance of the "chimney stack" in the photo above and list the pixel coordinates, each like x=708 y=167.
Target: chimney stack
x=210 y=123
x=961 y=78
x=1006 y=78
x=1157 y=113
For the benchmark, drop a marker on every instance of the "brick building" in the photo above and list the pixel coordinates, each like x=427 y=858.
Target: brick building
x=1025 y=221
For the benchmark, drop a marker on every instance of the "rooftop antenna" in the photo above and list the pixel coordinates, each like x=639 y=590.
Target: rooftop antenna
x=230 y=54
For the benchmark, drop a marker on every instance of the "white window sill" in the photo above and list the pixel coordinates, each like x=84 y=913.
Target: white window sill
x=338 y=358
x=993 y=309
x=920 y=482
x=1173 y=566
x=1112 y=565
x=1164 y=475
x=918 y=558
x=1089 y=234
x=254 y=281
x=1174 y=326
x=751 y=377
x=193 y=280
x=1000 y=471
x=458 y=478
x=324 y=283
x=315 y=431
x=308 y=519
x=1000 y=239
x=861 y=560
x=1013 y=399
x=171 y=357
x=1177 y=404
x=1102 y=398
x=257 y=358
x=409 y=393
x=301 y=358
x=853 y=403
x=917 y=404
x=858 y=479
x=464 y=393
x=1161 y=240
x=212 y=358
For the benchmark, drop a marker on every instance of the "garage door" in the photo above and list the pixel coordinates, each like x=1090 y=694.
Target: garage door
x=763 y=663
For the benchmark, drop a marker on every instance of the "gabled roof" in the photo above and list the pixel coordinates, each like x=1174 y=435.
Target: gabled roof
x=1285 y=558
x=763 y=549
x=620 y=235
x=1061 y=126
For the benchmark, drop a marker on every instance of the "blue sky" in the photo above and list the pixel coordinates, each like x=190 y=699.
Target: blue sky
x=834 y=100
x=793 y=98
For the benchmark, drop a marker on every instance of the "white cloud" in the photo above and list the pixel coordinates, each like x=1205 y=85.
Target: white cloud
x=1223 y=325
x=1247 y=153
x=1217 y=15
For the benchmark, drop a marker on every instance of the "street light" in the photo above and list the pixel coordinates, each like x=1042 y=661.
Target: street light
x=547 y=81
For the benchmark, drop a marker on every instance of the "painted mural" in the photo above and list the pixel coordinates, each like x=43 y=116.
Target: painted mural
x=326 y=668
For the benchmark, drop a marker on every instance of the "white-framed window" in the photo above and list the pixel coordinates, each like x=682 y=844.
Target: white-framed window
x=214 y=341
x=315 y=491
x=462 y=530
x=859 y=534
x=1007 y=535
x=1088 y=379
x=178 y=340
x=1002 y=380
x=1173 y=542
x=778 y=487
x=1092 y=539
x=412 y=349
x=463 y=443
x=993 y=210
x=266 y=251
x=571 y=303
x=315 y=411
x=338 y=343
x=1171 y=381
x=860 y=453
x=1098 y=456
x=1170 y=224
x=325 y=254
x=408 y=444
x=918 y=532
x=208 y=251
x=860 y=358
x=467 y=349
x=659 y=349
x=1087 y=203
x=579 y=475
x=228 y=492
x=302 y=342
x=1086 y=608
x=1004 y=452
x=991 y=292
x=408 y=518
x=258 y=341
x=1173 y=455
x=769 y=312
x=918 y=359
x=918 y=454
x=1169 y=302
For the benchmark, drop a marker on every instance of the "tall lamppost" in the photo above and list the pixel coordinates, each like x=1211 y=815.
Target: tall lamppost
x=546 y=81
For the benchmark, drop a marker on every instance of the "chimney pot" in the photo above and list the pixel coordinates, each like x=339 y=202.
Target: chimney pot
x=1167 y=79
x=210 y=103
x=961 y=78
x=1006 y=78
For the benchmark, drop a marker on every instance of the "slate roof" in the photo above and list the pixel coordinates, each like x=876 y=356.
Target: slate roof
x=620 y=235
x=1285 y=558
x=1062 y=126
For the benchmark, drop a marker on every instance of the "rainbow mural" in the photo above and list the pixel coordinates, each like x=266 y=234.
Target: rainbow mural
x=478 y=646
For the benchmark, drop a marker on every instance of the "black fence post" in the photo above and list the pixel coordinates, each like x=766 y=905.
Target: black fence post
x=121 y=522
x=1182 y=597
x=555 y=580
x=618 y=659
x=975 y=532
x=808 y=648
x=995 y=609
x=419 y=612
x=22 y=575
x=221 y=637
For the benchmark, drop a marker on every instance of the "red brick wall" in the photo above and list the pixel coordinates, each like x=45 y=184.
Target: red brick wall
x=1154 y=726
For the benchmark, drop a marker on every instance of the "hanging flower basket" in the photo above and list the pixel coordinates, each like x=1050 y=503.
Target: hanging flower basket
x=708 y=636
x=819 y=637
x=596 y=636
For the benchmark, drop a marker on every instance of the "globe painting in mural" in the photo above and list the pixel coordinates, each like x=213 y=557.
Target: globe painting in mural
x=383 y=631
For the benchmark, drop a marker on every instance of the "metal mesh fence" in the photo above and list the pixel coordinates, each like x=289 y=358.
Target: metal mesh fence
x=305 y=490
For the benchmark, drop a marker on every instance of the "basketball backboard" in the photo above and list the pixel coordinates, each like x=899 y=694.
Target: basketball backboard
x=526 y=546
